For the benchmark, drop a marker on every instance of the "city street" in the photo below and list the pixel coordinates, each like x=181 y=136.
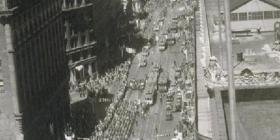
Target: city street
x=154 y=125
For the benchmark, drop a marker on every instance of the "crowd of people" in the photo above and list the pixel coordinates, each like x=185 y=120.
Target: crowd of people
x=246 y=77
x=116 y=75
x=118 y=123
x=103 y=83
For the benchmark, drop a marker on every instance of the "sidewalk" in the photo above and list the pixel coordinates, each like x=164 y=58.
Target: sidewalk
x=203 y=53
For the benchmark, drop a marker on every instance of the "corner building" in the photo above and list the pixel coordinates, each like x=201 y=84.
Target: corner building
x=35 y=101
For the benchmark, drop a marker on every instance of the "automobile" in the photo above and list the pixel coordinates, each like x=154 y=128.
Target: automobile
x=162 y=44
x=161 y=21
x=178 y=104
x=169 y=98
x=170 y=40
x=141 y=84
x=168 y=116
x=147 y=47
x=177 y=72
x=156 y=68
x=145 y=53
x=164 y=35
x=132 y=84
x=173 y=28
x=156 y=28
x=168 y=106
x=143 y=63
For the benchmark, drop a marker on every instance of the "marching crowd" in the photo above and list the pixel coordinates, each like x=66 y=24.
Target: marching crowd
x=98 y=85
x=118 y=123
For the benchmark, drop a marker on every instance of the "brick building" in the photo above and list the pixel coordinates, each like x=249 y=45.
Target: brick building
x=35 y=104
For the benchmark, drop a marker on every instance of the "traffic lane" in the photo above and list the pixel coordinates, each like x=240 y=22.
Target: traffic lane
x=146 y=128
x=166 y=128
x=136 y=72
x=153 y=116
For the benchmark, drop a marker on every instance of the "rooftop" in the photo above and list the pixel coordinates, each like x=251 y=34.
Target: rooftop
x=234 y=4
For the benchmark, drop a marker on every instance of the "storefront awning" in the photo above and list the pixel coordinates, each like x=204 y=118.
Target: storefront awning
x=79 y=68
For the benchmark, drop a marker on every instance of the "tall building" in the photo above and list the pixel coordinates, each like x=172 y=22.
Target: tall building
x=35 y=101
x=80 y=42
x=81 y=51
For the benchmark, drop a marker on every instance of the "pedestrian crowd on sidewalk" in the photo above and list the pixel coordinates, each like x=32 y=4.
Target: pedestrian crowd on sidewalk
x=102 y=83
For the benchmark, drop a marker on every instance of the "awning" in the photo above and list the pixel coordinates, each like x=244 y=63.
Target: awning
x=79 y=68
x=130 y=50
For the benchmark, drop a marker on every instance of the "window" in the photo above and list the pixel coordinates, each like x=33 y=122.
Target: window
x=234 y=17
x=255 y=15
x=268 y=15
x=276 y=14
x=242 y=16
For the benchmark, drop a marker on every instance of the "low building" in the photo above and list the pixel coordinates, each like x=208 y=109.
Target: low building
x=254 y=15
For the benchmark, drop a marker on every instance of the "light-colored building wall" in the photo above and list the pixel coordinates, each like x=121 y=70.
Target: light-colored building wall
x=255 y=6
x=265 y=25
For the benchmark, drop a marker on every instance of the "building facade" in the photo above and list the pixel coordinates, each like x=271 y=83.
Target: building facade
x=80 y=42
x=35 y=104
x=254 y=14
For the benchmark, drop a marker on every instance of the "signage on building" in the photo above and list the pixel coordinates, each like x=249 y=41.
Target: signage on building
x=130 y=50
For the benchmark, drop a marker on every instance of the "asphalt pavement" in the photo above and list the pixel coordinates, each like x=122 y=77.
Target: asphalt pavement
x=154 y=125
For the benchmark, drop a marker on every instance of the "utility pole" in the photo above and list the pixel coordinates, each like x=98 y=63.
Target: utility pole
x=231 y=89
x=220 y=34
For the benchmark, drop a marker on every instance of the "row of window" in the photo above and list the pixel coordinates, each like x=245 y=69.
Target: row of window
x=77 y=41
x=72 y=3
x=31 y=20
x=40 y=58
x=255 y=15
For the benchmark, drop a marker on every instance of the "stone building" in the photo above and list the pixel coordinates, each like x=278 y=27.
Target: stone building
x=35 y=101
x=80 y=43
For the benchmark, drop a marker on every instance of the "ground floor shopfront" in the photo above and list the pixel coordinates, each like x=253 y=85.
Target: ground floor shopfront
x=83 y=70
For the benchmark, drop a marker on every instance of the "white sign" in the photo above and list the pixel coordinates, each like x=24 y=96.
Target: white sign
x=130 y=50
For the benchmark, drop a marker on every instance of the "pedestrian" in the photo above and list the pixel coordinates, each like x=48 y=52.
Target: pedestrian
x=259 y=30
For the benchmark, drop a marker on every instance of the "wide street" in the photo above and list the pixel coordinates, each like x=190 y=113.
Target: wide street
x=154 y=125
